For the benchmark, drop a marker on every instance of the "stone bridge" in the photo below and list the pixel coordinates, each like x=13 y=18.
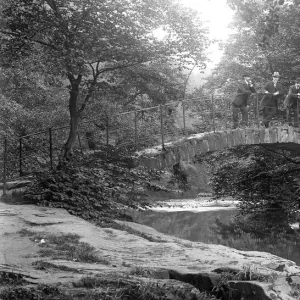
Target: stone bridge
x=184 y=149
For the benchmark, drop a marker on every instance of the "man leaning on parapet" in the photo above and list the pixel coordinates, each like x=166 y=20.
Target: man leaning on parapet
x=269 y=102
x=240 y=101
x=291 y=103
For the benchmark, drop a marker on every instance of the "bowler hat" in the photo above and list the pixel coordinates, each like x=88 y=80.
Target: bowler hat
x=276 y=74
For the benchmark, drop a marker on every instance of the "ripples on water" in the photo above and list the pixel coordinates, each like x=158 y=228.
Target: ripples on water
x=201 y=227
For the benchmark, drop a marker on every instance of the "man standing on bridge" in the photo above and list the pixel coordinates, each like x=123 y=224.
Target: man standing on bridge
x=291 y=103
x=240 y=101
x=269 y=102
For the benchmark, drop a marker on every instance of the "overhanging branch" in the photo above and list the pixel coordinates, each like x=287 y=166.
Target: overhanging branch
x=28 y=39
x=281 y=154
x=96 y=73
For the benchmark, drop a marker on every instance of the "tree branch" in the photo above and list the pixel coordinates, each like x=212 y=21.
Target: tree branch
x=101 y=127
x=132 y=98
x=28 y=38
x=96 y=75
x=93 y=69
x=89 y=93
x=119 y=67
x=52 y=4
x=266 y=175
x=187 y=80
x=281 y=154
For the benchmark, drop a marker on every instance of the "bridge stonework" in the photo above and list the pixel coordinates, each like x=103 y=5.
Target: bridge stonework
x=184 y=149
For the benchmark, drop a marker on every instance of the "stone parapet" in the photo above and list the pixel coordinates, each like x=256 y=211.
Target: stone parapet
x=186 y=148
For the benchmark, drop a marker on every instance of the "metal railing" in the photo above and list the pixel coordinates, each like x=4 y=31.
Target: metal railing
x=133 y=130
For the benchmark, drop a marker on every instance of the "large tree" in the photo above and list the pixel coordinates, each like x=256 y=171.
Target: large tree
x=90 y=42
x=265 y=39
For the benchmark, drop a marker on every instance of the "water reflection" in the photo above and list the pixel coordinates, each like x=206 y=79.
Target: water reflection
x=201 y=227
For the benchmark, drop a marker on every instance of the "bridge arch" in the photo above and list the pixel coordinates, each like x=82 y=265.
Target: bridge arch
x=184 y=149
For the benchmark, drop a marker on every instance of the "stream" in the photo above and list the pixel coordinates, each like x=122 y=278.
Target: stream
x=199 y=225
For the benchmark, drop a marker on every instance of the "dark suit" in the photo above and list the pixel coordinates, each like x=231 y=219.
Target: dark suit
x=291 y=103
x=240 y=102
x=269 y=103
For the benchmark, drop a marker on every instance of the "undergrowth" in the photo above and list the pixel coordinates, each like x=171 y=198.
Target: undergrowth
x=93 y=288
x=93 y=187
x=11 y=278
x=41 y=292
x=125 y=289
x=223 y=286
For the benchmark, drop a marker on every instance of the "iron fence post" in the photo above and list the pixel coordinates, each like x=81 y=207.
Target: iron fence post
x=107 y=135
x=4 y=166
x=257 y=110
x=183 y=114
x=50 y=148
x=20 y=157
x=225 y=106
x=297 y=113
x=79 y=142
x=213 y=111
x=135 y=129
x=162 y=127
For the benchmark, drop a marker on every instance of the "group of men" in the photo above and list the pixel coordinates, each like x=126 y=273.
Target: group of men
x=269 y=103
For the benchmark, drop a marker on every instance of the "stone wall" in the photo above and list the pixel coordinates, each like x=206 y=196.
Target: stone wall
x=184 y=149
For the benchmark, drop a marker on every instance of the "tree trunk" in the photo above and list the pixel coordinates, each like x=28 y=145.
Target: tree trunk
x=74 y=117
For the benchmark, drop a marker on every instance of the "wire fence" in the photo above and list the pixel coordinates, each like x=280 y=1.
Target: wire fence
x=131 y=131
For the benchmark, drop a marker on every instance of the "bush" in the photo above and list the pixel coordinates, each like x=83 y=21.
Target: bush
x=92 y=187
x=264 y=181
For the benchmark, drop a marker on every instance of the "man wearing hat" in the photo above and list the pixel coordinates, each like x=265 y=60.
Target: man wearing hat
x=240 y=101
x=291 y=103
x=269 y=102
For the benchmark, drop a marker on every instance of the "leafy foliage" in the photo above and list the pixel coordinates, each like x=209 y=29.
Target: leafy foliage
x=247 y=274
x=11 y=278
x=179 y=177
x=31 y=99
x=102 y=46
x=110 y=289
x=93 y=187
x=264 y=39
x=42 y=292
x=264 y=181
x=157 y=292
x=127 y=289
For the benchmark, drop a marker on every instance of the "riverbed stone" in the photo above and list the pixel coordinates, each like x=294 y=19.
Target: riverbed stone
x=282 y=287
x=253 y=290
x=204 y=281
x=295 y=279
x=132 y=247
